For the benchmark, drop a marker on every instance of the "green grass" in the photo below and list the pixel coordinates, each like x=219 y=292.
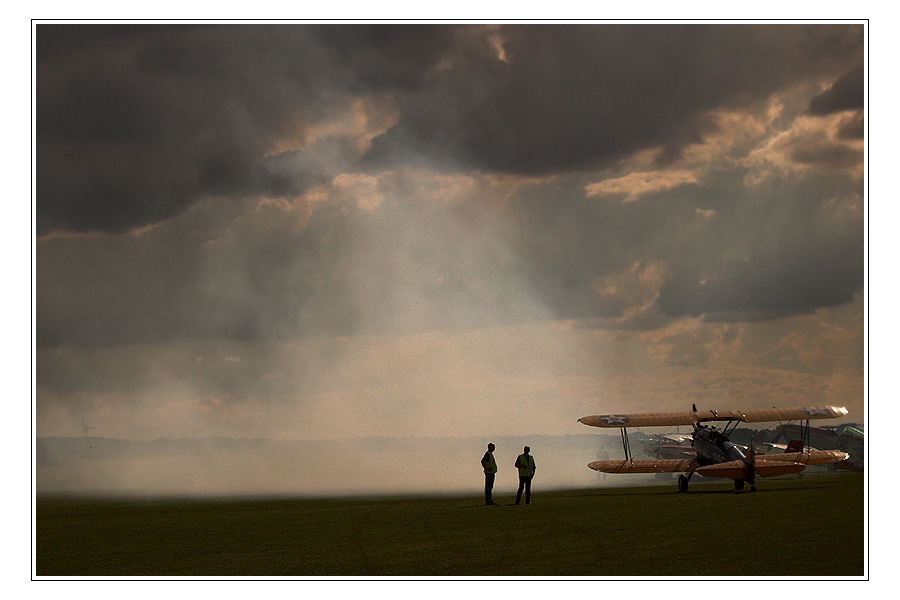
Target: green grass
x=812 y=526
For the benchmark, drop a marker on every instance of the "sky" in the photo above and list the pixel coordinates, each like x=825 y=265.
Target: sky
x=325 y=232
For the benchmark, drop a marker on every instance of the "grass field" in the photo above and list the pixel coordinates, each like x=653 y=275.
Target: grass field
x=813 y=526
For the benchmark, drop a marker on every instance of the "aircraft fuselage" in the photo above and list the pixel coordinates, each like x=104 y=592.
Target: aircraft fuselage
x=713 y=447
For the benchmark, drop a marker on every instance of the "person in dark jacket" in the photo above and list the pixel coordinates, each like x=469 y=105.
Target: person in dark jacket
x=525 y=464
x=490 y=471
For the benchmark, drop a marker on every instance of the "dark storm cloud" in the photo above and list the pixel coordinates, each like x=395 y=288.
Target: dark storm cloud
x=572 y=97
x=138 y=124
x=778 y=248
x=853 y=127
x=118 y=289
x=568 y=241
x=784 y=250
x=413 y=265
x=847 y=93
x=134 y=123
x=766 y=287
x=824 y=153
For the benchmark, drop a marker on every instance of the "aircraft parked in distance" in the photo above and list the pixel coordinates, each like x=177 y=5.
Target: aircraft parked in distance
x=848 y=438
x=671 y=445
x=716 y=455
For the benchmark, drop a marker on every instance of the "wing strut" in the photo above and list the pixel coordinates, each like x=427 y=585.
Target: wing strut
x=733 y=425
x=625 y=444
x=804 y=437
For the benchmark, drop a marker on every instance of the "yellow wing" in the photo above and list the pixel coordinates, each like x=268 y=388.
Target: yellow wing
x=757 y=415
x=639 y=420
x=770 y=465
x=738 y=469
x=815 y=457
x=691 y=418
x=671 y=465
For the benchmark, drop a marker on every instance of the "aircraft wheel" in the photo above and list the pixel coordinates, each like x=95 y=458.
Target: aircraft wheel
x=682 y=483
x=738 y=484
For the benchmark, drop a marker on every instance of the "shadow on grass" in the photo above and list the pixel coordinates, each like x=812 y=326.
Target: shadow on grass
x=486 y=507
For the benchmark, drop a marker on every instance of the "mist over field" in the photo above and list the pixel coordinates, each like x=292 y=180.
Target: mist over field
x=363 y=466
x=367 y=466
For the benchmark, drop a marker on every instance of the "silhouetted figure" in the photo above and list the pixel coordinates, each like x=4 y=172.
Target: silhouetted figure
x=490 y=471
x=525 y=464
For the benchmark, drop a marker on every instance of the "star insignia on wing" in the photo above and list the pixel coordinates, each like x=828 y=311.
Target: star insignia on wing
x=815 y=411
x=615 y=419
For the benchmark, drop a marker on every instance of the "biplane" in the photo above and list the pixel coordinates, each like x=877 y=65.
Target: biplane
x=843 y=437
x=668 y=446
x=716 y=455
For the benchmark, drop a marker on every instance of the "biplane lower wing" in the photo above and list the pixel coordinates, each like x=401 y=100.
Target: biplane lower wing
x=814 y=457
x=768 y=466
x=738 y=469
x=672 y=465
x=734 y=469
x=765 y=469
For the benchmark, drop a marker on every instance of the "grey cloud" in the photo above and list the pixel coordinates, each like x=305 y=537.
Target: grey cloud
x=847 y=93
x=187 y=112
x=823 y=153
x=577 y=97
x=775 y=249
x=783 y=251
x=765 y=288
x=567 y=241
x=111 y=290
x=135 y=123
x=412 y=264
x=852 y=127
x=270 y=274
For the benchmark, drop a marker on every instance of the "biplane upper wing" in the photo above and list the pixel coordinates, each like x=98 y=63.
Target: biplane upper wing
x=691 y=418
x=672 y=465
x=640 y=420
x=757 y=415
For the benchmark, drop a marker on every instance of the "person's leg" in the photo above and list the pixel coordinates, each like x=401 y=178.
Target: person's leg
x=528 y=491
x=521 y=487
x=488 y=487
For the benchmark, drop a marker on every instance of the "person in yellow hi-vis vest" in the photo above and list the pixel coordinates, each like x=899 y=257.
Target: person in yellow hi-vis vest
x=490 y=471
x=525 y=464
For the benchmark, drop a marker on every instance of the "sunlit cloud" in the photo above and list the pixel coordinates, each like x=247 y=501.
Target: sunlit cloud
x=363 y=119
x=635 y=185
x=810 y=145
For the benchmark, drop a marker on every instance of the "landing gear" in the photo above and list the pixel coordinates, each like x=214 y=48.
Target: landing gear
x=738 y=484
x=752 y=488
x=682 y=483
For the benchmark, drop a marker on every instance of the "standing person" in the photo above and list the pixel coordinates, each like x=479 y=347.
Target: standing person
x=490 y=471
x=525 y=464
